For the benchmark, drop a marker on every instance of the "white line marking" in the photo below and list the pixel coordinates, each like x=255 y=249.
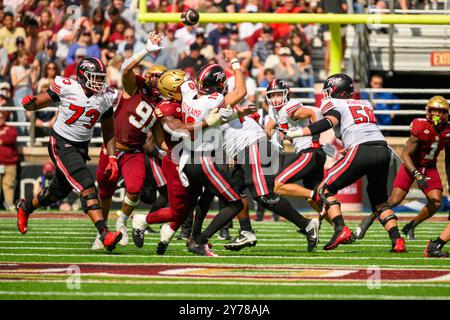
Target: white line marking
x=219 y=295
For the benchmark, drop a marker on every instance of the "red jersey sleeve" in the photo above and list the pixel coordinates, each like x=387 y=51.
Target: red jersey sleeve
x=140 y=82
x=416 y=127
x=168 y=108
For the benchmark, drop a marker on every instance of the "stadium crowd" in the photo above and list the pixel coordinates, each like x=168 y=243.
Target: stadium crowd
x=42 y=39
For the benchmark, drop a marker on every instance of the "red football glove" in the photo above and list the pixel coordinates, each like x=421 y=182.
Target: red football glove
x=113 y=168
x=28 y=101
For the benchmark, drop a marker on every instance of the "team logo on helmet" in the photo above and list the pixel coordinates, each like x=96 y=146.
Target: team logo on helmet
x=86 y=64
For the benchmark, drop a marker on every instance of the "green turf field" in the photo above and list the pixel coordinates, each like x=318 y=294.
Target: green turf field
x=44 y=264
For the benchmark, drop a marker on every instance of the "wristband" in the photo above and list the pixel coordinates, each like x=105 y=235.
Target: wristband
x=235 y=64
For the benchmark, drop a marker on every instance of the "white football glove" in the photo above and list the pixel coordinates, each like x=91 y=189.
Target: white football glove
x=294 y=134
x=153 y=42
x=226 y=113
x=214 y=118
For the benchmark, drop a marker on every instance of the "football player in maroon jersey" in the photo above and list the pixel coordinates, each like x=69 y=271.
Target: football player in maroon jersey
x=428 y=137
x=133 y=120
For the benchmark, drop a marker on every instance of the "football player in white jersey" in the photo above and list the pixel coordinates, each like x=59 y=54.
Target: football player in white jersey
x=308 y=164
x=81 y=104
x=367 y=154
x=198 y=101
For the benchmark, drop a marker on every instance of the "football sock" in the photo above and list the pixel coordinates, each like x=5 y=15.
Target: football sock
x=245 y=224
x=222 y=218
x=204 y=203
x=123 y=217
x=394 y=234
x=101 y=226
x=338 y=222
x=285 y=209
x=440 y=241
x=28 y=206
x=161 y=201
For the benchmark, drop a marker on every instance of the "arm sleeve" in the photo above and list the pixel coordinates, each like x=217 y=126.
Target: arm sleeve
x=320 y=126
x=333 y=113
x=53 y=95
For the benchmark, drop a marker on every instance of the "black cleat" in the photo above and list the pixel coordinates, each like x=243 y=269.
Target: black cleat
x=201 y=249
x=138 y=237
x=408 y=231
x=149 y=230
x=224 y=234
x=162 y=247
x=312 y=234
x=361 y=230
x=434 y=250
x=245 y=239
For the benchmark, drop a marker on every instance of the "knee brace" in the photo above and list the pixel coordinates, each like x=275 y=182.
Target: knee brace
x=46 y=197
x=270 y=199
x=324 y=198
x=90 y=196
x=378 y=213
x=130 y=202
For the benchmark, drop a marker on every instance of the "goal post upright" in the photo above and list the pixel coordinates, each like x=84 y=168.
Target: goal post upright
x=332 y=19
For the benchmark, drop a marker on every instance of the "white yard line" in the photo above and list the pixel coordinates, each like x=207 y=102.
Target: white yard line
x=218 y=295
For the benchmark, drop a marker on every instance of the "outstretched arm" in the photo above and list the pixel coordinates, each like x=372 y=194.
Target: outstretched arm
x=39 y=101
x=240 y=90
x=304 y=113
x=322 y=125
x=128 y=76
x=109 y=141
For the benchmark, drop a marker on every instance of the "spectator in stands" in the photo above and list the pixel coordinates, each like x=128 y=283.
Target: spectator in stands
x=376 y=82
x=22 y=78
x=194 y=59
x=221 y=31
x=9 y=34
x=173 y=46
x=206 y=49
x=124 y=12
x=51 y=70
x=287 y=70
x=65 y=37
x=282 y=30
x=245 y=55
x=118 y=28
x=46 y=56
x=269 y=75
x=186 y=34
x=86 y=8
x=332 y=6
x=9 y=158
x=71 y=69
x=109 y=53
x=262 y=49
x=57 y=9
x=33 y=42
x=47 y=30
x=302 y=56
x=48 y=174
x=130 y=39
x=102 y=27
x=6 y=101
x=4 y=64
x=85 y=41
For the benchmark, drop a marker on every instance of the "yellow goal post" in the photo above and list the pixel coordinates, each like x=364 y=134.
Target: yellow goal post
x=333 y=20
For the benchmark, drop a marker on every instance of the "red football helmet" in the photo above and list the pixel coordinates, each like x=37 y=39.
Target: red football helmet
x=437 y=103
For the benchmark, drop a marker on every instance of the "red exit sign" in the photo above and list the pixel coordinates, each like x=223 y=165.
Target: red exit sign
x=440 y=58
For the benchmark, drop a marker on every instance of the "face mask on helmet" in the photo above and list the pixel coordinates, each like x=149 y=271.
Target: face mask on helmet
x=95 y=81
x=277 y=98
x=437 y=118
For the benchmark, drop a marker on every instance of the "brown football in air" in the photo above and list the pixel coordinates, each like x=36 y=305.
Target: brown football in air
x=190 y=17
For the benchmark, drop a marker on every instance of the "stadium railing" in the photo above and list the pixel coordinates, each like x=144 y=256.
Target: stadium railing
x=31 y=140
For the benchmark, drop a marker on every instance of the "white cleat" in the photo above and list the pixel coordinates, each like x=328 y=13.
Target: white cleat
x=139 y=225
x=97 y=245
x=166 y=235
x=122 y=227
